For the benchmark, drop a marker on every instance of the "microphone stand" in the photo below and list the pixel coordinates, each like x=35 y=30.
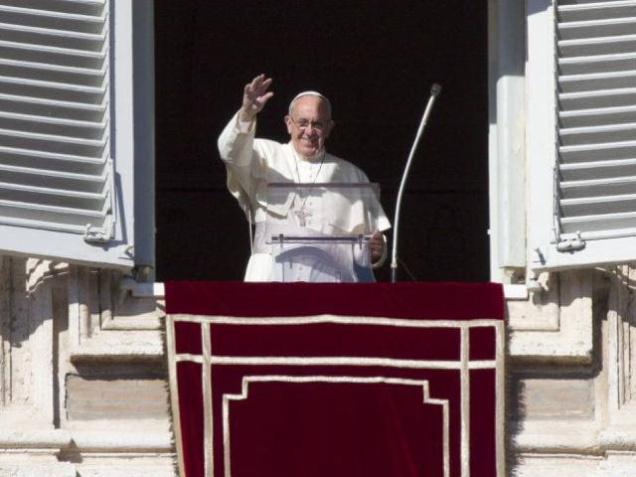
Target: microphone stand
x=435 y=91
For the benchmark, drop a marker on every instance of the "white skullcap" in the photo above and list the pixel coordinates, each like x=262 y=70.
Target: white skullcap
x=310 y=93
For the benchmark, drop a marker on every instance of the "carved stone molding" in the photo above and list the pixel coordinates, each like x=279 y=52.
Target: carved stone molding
x=70 y=337
x=109 y=451
x=540 y=311
x=557 y=323
x=27 y=356
x=39 y=270
x=107 y=322
x=621 y=332
x=558 y=441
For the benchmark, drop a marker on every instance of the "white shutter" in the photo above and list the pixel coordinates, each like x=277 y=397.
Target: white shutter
x=594 y=169
x=63 y=189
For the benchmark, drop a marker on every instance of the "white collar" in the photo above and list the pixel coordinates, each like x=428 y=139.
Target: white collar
x=317 y=159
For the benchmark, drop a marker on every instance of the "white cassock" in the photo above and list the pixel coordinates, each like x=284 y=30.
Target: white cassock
x=254 y=163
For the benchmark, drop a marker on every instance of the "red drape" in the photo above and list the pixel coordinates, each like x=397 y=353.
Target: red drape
x=375 y=388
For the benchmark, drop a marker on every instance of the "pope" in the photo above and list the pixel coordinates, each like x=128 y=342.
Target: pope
x=253 y=164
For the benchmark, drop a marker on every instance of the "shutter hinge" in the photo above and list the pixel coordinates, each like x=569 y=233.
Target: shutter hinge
x=538 y=256
x=103 y=234
x=106 y=232
x=571 y=244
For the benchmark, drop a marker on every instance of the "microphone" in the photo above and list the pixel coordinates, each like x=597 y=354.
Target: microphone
x=436 y=89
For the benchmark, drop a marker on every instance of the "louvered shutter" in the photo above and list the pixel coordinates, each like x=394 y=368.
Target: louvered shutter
x=594 y=173
x=64 y=190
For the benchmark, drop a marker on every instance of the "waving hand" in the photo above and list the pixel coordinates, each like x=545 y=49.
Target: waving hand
x=255 y=96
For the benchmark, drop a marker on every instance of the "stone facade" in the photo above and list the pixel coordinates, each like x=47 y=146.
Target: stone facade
x=83 y=389
x=571 y=358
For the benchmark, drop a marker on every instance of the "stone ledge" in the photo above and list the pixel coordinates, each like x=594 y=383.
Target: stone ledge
x=117 y=440
x=618 y=439
x=575 y=437
x=152 y=440
x=23 y=467
x=35 y=439
x=152 y=352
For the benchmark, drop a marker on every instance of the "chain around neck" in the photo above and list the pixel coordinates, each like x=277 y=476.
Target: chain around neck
x=300 y=213
x=315 y=178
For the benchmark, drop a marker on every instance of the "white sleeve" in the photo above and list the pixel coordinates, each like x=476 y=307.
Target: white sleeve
x=236 y=142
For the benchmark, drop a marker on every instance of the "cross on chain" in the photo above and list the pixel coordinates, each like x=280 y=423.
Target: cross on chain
x=302 y=216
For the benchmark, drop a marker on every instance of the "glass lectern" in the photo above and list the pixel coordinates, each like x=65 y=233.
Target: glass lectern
x=320 y=232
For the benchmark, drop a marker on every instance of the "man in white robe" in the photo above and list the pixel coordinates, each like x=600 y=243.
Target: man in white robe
x=253 y=164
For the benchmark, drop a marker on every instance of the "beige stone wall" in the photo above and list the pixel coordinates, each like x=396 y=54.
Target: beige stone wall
x=83 y=387
x=571 y=358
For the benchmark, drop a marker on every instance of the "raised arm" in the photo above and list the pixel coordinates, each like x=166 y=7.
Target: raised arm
x=237 y=139
x=255 y=96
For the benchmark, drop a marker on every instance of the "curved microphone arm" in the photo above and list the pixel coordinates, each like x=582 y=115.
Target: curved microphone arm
x=435 y=91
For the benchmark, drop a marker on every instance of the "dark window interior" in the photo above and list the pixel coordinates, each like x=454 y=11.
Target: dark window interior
x=376 y=61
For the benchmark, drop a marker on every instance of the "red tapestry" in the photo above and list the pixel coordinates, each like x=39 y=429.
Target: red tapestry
x=291 y=380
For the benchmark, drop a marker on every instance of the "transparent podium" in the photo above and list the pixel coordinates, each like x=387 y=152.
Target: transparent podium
x=320 y=232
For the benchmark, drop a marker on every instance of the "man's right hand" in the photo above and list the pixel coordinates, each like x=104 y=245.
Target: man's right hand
x=255 y=96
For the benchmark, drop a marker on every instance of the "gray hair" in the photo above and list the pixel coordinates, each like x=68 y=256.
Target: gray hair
x=310 y=93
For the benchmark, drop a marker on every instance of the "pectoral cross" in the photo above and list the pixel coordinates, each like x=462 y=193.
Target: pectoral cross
x=302 y=216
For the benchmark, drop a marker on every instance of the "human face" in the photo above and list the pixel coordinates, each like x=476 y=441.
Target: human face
x=309 y=125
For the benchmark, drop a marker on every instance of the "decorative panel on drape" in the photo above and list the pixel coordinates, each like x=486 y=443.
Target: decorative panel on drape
x=339 y=380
